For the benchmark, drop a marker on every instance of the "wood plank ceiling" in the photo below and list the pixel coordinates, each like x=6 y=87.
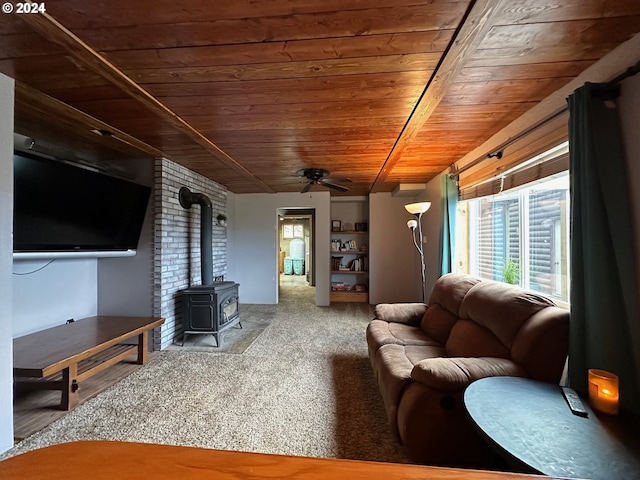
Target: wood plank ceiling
x=246 y=92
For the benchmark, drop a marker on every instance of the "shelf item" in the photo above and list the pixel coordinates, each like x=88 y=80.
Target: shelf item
x=359 y=264
x=340 y=287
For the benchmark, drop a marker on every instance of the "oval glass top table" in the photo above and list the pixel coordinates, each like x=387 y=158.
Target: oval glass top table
x=531 y=425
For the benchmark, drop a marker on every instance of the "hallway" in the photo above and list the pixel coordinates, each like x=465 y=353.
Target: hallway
x=293 y=281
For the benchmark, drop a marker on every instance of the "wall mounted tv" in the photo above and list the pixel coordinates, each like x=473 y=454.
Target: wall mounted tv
x=62 y=210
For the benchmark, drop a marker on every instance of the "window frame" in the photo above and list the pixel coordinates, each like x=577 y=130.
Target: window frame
x=559 y=246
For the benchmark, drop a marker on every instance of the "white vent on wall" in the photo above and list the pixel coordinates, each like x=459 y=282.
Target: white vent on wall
x=408 y=189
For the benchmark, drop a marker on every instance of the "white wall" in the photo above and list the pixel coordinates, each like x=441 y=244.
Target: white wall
x=49 y=296
x=232 y=250
x=6 y=249
x=394 y=262
x=125 y=285
x=253 y=244
x=431 y=225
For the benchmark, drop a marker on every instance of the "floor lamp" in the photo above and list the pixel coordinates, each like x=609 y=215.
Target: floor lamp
x=418 y=209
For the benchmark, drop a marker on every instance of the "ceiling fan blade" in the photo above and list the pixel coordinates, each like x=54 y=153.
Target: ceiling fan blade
x=337 y=180
x=334 y=186
x=306 y=188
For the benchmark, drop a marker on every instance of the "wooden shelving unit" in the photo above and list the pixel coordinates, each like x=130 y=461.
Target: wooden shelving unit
x=350 y=296
x=355 y=261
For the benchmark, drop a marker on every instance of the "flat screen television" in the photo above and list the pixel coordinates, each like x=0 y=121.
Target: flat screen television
x=64 y=208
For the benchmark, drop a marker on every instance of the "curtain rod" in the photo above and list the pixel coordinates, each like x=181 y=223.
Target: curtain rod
x=498 y=151
x=629 y=72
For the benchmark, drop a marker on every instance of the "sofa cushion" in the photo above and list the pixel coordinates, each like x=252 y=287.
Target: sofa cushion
x=546 y=331
x=444 y=305
x=394 y=364
x=381 y=333
x=417 y=353
x=407 y=313
x=468 y=339
x=393 y=372
x=501 y=308
x=437 y=322
x=450 y=290
x=455 y=374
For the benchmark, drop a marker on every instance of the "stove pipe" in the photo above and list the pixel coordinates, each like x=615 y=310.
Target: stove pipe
x=187 y=198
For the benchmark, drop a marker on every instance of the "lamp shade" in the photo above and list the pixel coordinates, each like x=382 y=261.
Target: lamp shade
x=417 y=208
x=412 y=224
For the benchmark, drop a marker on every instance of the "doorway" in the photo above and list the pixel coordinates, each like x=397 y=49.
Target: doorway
x=296 y=258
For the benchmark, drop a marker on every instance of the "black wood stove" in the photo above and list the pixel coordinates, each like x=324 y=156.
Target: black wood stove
x=212 y=307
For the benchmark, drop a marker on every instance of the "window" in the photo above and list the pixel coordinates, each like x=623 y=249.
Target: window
x=292 y=230
x=520 y=236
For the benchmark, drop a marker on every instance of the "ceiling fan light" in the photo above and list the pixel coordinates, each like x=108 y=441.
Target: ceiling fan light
x=417 y=208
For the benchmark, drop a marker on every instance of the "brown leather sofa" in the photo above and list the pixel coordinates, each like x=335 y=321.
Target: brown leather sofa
x=425 y=356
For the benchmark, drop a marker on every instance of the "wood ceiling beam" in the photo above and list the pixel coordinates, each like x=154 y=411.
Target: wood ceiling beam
x=55 y=32
x=40 y=103
x=475 y=26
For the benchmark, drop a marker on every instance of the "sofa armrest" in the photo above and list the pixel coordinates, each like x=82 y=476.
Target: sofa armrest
x=408 y=313
x=454 y=374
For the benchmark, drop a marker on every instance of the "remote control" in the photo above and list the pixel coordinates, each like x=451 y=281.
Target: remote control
x=574 y=402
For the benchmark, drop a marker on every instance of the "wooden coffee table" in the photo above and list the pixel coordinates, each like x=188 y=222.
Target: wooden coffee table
x=61 y=357
x=531 y=425
x=101 y=460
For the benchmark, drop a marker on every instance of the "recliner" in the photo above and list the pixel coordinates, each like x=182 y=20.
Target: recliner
x=424 y=356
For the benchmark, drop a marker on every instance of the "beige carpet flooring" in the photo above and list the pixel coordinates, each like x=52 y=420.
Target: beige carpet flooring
x=303 y=386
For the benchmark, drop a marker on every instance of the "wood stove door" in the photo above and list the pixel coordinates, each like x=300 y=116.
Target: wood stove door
x=229 y=307
x=201 y=310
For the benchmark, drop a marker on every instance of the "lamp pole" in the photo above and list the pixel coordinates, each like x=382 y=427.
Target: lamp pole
x=417 y=209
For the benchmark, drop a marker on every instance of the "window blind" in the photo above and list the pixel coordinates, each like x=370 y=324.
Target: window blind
x=518 y=177
x=488 y=176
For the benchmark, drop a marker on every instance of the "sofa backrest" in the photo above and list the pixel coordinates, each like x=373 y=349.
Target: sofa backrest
x=443 y=310
x=482 y=318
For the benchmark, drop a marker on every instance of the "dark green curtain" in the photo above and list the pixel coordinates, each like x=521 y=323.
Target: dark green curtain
x=448 y=228
x=605 y=321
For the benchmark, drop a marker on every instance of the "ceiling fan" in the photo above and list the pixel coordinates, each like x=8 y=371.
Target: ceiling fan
x=319 y=176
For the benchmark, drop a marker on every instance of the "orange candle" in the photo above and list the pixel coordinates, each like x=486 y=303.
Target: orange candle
x=603 y=391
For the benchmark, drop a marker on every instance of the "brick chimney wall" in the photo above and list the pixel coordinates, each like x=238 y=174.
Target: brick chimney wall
x=177 y=242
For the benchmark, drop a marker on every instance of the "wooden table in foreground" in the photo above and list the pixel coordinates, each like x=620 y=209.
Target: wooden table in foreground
x=531 y=425
x=79 y=350
x=100 y=460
